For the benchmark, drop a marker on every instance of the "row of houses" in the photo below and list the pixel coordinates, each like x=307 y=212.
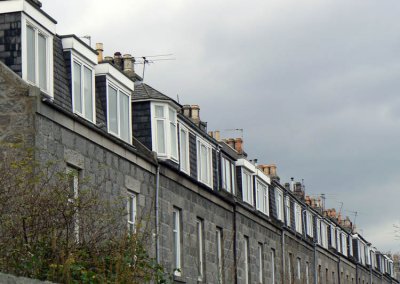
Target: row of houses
x=216 y=216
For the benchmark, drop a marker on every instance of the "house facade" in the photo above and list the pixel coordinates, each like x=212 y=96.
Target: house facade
x=215 y=215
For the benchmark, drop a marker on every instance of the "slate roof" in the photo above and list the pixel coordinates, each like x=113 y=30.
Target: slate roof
x=145 y=92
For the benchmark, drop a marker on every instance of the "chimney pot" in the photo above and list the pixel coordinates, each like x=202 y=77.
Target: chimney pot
x=118 y=60
x=99 y=49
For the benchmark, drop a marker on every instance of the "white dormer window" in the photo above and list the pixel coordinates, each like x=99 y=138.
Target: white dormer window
x=287 y=209
x=344 y=244
x=118 y=112
x=297 y=218
x=228 y=175
x=83 y=90
x=310 y=224
x=324 y=234
x=184 y=149
x=37 y=55
x=83 y=60
x=165 y=140
x=262 y=200
x=247 y=187
x=333 y=236
x=204 y=162
x=279 y=204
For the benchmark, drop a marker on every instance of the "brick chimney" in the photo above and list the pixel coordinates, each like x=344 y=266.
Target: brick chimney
x=193 y=113
x=299 y=190
x=99 y=49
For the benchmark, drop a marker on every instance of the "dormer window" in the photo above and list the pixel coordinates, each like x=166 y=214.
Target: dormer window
x=115 y=90
x=83 y=91
x=204 y=162
x=165 y=140
x=118 y=112
x=37 y=55
x=82 y=61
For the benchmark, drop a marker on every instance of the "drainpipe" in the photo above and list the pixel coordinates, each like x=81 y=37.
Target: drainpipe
x=357 y=273
x=157 y=217
x=338 y=268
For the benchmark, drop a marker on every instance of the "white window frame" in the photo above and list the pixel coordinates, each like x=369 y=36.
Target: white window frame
x=324 y=234
x=246 y=260
x=310 y=224
x=262 y=197
x=132 y=211
x=167 y=121
x=208 y=178
x=219 y=252
x=338 y=241
x=273 y=266
x=75 y=188
x=185 y=158
x=247 y=188
x=177 y=232
x=298 y=268
x=319 y=233
x=279 y=204
x=333 y=236
x=124 y=92
x=298 y=218
x=228 y=175
x=344 y=243
x=200 y=260
x=260 y=263
x=287 y=208
x=75 y=58
x=38 y=29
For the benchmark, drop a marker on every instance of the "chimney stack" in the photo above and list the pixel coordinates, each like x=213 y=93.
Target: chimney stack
x=118 y=60
x=186 y=110
x=215 y=134
x=195 y=114
x=239 y=145
x=128 y=65
x=269 y=170
x=99 y=49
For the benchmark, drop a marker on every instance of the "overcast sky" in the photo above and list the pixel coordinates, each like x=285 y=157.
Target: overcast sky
x=315 y=84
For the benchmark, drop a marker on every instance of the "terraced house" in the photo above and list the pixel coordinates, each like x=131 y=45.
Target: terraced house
x=216 y=216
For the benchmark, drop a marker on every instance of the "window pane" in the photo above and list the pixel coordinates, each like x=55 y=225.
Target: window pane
x=112 y=110
x=159 y=111
x=77 y=88
x=173 y=140
x=172 y=115
x=124 y=116
x=88 y=93
x=228 y=175
x=160 y=136
x=30 y=46
x=42 y=53
x=204 y=161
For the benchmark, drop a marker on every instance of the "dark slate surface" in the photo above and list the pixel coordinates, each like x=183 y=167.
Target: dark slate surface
x=272 y=203
x=10 y=41
x=193 y=156
x=62 y=77
x=144 y=92
x=292 y=223
x=141 y=123
x=239 y=189
x=101 y=100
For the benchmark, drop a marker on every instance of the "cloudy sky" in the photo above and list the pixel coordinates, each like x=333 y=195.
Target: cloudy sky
x=315 y=84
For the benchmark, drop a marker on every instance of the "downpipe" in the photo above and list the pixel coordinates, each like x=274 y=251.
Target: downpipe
x=157 y=213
